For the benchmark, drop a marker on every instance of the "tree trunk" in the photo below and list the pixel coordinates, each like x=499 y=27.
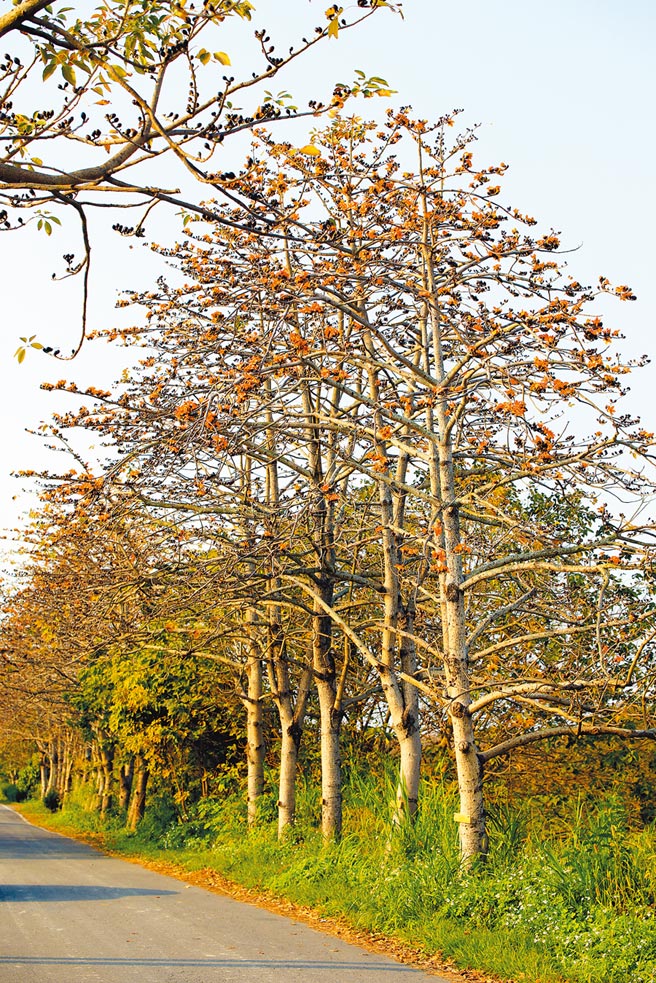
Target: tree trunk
x=125 y=775
x=44 y=773
x=67 y=770
x=471 y=818
x=53 y=766
x=320 y=458
x=138 y=800
x=330 y=720
x=407 y=728
x=331 y=769
x=254 y=726
x=291 y=714
x=106 y=767
x=290 y=743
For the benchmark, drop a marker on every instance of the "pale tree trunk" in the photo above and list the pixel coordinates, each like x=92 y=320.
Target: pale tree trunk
x=106 y=767
x=53 y=754
x=125 y=775
x=289 y=747
x=68 y=765
x=471 y=818
x=291 y=713
x=292 y=716
x=323 y=656
x=138 y=800
x=409 y=732
x=44 y=773
x=396 y=646
x=402 y=698
x=254 y=735
x=330 y=720
x=100 y=787
x=252 y=700
x=252 y=696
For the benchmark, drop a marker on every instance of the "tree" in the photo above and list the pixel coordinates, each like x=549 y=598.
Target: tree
x=110 y=78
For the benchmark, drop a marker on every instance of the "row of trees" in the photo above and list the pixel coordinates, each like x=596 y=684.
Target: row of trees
x=365 y=470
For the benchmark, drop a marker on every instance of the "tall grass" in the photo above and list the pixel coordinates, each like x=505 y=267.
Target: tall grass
x=553 y=901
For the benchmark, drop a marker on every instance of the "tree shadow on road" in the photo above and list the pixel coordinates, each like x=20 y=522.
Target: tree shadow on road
x=73 y=892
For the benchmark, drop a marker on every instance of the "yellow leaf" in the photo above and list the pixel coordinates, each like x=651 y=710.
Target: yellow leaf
x=20 y=355
x=333 y=28
x=310 y=151
x=222 y=57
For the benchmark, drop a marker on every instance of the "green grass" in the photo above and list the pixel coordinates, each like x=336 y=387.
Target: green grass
x=569 y=902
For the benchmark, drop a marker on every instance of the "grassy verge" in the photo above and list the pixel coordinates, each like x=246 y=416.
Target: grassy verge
x=575 y=905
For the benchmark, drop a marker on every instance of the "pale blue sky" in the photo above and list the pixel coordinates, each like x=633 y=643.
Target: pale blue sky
x=564 y=92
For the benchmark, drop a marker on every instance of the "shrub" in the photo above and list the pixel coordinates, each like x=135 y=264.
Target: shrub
x=52 y=800
x=9 y=792
x=27 y=781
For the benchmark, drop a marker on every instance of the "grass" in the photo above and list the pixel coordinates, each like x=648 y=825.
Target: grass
x=553 y=903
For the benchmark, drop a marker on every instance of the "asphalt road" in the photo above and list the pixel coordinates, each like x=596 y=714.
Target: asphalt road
x=69 y=914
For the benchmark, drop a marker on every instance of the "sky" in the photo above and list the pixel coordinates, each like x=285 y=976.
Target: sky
x=563 y=91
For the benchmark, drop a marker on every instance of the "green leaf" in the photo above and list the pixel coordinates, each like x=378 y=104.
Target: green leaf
x=243 y=9
x=50 y=68
x=203 y=56
x=69 y=73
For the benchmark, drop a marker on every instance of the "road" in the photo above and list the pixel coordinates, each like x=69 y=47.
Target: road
x=69 y=914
